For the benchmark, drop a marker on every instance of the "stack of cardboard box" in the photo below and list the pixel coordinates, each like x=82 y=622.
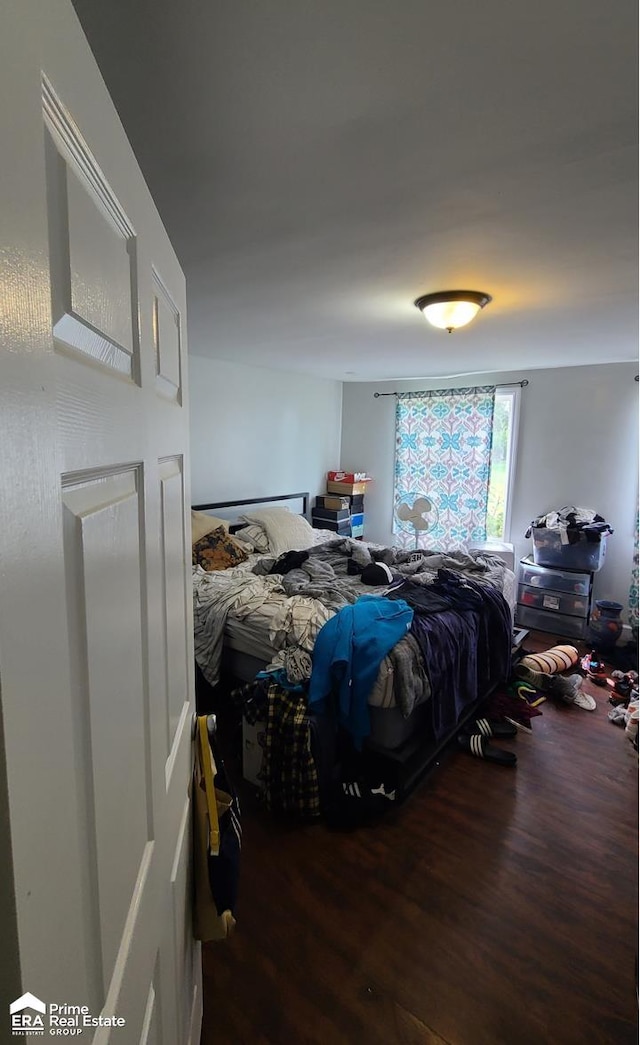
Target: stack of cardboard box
x=342 y=507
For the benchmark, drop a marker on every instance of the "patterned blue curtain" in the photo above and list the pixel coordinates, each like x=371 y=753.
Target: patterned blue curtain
x=443 y=452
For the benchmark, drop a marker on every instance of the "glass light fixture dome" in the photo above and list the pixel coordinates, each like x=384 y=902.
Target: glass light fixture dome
x=450 y=309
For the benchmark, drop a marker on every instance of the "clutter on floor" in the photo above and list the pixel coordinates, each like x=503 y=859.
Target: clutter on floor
x=621 y=684
x=625 y=703
x=542 y=670
x=594 y=668
x=515 y=703
x=298 y=778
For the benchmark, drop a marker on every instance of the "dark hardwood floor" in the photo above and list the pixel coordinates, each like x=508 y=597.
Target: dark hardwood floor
x=494 y=905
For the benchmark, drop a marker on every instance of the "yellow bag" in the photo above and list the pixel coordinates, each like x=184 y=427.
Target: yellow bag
x=217 y=838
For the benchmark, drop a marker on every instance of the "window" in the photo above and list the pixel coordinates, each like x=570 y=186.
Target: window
x=454 y=453
x=503 y=455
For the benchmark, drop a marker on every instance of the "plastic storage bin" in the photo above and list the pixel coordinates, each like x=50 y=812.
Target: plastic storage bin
x=558 y=623
x=548 y=550
x=557 y=580
x=558 y=601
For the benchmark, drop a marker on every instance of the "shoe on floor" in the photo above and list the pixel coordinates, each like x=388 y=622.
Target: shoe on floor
x=480 y=747
x=487 y=727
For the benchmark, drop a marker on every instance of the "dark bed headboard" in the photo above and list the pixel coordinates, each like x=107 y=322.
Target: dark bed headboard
x=215 y=505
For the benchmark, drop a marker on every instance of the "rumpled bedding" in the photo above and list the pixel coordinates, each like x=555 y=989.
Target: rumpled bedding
x=293 y=621
x=294 y=606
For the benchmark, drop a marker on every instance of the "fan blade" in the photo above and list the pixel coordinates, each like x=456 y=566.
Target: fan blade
x=422 y=504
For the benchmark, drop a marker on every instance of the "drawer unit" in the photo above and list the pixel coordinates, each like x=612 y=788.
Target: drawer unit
x=557 y=580
x=554 y=599
x=558 y=601
x=547 y=620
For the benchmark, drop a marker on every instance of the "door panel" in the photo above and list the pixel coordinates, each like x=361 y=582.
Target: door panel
x=100 y=267
x=166 y=336
x=107 y=571
x=92 y=248
x=96 y=655
x=181 y=908
x=173 y=567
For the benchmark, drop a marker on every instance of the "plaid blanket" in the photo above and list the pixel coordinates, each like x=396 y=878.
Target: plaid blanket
x=289 y=774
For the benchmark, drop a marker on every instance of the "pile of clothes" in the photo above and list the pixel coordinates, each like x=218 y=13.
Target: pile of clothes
x=572 y=524
x=625 y=700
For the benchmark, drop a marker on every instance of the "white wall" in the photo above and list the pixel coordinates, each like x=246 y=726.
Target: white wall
x=257 y=432
x=578 y=444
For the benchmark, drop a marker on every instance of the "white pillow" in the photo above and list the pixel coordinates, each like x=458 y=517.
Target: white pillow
x=254 y=537
x=286 y=532
x=202 y=524
x=322 y=536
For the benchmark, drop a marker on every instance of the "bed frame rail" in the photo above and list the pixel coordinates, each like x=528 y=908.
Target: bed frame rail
x=304 y=497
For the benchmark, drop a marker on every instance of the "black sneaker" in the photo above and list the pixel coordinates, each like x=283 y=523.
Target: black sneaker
x=355 y=803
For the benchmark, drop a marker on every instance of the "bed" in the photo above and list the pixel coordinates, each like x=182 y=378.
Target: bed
x=247 y=617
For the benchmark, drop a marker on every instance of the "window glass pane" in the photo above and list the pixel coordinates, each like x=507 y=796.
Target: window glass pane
x=498 y=482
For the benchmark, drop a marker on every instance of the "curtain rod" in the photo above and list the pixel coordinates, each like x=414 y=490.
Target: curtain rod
x=425 y=391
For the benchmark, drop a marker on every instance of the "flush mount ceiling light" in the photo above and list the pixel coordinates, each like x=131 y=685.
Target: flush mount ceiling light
x=450 y=309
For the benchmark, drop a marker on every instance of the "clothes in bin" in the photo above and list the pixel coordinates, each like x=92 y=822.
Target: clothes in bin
x=572 y=538
x=548 y=550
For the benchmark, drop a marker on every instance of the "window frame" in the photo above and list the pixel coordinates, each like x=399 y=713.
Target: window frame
x=513 y=393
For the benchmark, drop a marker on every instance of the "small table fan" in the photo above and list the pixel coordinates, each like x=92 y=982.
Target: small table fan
x=417 y=514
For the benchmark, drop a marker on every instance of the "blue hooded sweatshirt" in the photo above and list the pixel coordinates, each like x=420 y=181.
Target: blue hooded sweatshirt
x=347 y=655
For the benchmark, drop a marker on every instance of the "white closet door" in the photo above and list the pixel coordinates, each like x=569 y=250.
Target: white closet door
x=95 y=608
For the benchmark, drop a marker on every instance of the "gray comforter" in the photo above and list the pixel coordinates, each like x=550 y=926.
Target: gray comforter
x=299 y=602
x=324 y=576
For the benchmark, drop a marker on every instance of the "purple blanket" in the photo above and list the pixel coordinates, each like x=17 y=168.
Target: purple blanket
x=463 y=649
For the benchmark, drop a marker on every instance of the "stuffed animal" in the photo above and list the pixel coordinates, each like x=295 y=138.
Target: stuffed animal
x=556 y=659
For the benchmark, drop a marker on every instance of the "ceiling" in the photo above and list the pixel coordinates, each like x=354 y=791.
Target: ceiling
x=320 y=165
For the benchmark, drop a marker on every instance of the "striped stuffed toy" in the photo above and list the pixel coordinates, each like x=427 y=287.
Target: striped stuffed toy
x=543 y=672
x=556 y=659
